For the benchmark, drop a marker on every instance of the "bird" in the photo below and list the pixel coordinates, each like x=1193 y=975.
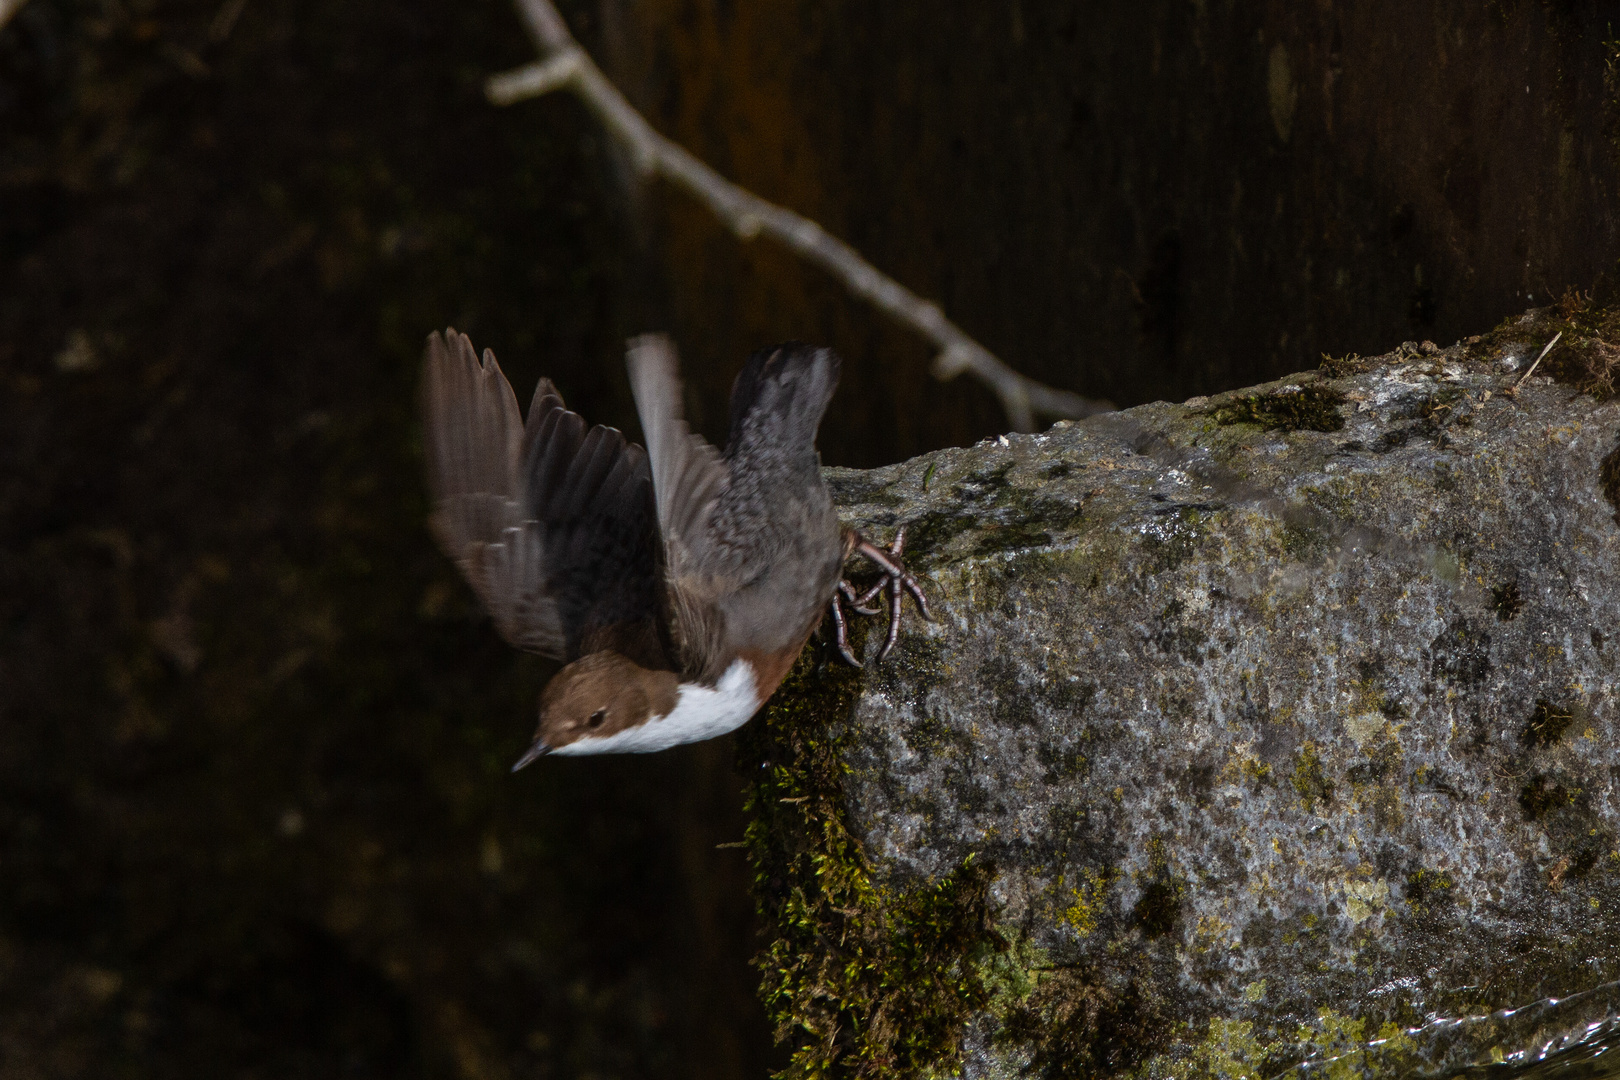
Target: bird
x=677 y=583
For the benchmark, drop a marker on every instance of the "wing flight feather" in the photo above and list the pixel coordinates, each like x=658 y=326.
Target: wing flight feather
x=688 y=474
x=551 y=521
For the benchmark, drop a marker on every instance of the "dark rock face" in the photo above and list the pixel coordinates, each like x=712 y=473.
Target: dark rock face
x=1283 y=728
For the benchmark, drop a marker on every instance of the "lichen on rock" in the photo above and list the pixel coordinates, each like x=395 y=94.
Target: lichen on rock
x=1268 y=732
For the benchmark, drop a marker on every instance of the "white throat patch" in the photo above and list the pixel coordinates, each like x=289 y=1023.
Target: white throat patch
x=699 y=713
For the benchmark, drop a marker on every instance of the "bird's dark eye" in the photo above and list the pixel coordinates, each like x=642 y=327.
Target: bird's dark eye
x=596 y=718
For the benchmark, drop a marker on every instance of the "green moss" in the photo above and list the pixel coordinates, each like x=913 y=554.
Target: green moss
x=1229 y=1049
x=931 y=735
x=1507 y=601
x=1310 y=782
x=1436 y=407
x=1541 y=795
x=878 y=979
x=1310 y=408
x=1334 y=1046
x=1547 y=723
x=1305 y=541
x=1428 y=891
x=1088 y=901
x=1384 y=756
x=1254 y=771
x=860 y=979
x=1080 y=1026
x=1012 y=974
x=1349 y=1051
x=1348 y=364
x=1586 y=357
x=1158 y=909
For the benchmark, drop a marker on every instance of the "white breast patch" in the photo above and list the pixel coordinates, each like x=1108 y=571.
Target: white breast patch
x=699 y=713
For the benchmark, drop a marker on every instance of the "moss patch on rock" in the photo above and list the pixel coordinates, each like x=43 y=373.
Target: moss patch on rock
x=1547 y=723
x=1542 y=795
x=1312 y=785
x=1214 y=736
x=1428 y=890
x=1078 y=1026
x=861 y=979
x=1234 y=1048
x=1339 y=367
x=1309 y=408
x=1587 y=355
x=1507 y=601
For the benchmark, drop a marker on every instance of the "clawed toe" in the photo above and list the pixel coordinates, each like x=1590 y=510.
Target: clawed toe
x=896 y=580
x=858 y=604
x=840 y=627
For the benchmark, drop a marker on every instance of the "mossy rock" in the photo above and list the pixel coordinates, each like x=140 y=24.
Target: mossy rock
x=1231 y=751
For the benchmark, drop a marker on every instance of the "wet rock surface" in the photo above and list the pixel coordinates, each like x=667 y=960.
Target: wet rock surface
x=1281 y=727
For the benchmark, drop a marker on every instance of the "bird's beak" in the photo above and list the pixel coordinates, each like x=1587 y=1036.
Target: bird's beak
x=539 y=749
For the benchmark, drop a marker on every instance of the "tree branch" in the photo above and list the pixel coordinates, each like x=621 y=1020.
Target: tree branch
x=8 y=8
x=564 y=65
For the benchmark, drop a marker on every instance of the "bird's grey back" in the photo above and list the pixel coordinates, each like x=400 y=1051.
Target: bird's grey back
x=774 y=532
x=750 y=539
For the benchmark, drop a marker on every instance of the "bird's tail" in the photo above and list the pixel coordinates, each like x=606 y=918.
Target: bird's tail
x=780 y=396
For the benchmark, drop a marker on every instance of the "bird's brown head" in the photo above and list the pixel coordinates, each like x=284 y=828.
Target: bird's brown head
x=595 y=698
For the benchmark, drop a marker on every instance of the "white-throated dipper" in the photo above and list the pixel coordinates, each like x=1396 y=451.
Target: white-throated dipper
x=677 y=583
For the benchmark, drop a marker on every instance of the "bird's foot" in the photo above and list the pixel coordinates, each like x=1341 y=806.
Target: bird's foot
x=896 y=580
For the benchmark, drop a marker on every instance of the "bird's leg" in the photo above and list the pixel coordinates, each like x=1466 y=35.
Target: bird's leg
x=896 y=579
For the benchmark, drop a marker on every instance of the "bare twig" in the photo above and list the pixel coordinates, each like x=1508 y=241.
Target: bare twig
x=1513 y=391
x=1539 y=359
x=8 y=8
x=564 y=64
x=225 y=21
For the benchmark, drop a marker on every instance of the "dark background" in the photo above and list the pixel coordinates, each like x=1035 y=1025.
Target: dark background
x=255 y=818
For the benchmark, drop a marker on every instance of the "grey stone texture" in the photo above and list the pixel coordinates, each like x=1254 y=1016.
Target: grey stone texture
x=1306 y=739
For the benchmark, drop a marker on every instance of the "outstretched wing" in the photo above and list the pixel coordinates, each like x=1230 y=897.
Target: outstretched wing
x=551 y=522
x=689 y=478
x=688 y=473
x=590 y=494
